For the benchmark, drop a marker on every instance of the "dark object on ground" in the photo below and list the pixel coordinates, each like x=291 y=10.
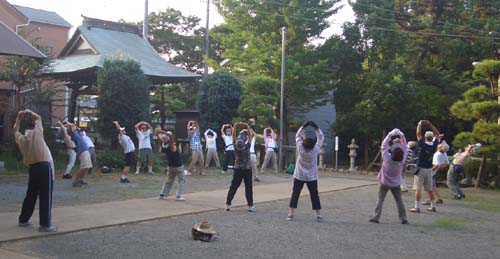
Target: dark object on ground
x=203 y=231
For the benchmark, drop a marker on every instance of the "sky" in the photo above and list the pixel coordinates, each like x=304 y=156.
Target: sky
x=133 y=10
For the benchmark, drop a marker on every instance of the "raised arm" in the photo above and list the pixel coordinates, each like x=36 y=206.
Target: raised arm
x=63 y=128
x=419 y=130
x=118 y=127
x=18 y=121
x=136 y=126
x=434 y=130
x=251 y=135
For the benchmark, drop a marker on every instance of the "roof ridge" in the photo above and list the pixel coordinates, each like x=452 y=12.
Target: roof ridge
x=35 y=9
x=90 y=22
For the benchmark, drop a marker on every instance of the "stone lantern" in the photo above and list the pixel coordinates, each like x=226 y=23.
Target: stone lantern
x=352 y=154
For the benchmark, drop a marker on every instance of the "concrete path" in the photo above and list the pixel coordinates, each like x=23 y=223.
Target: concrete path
x=99 y=215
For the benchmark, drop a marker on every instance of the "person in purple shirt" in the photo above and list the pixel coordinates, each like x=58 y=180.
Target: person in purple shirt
x=394 y=152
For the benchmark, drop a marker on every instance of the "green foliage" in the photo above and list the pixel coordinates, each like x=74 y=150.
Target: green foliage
x=259 y=102
x=124 y=96
x=112 y=159
x=218 y=99
x=478 y=103
x=489 y=69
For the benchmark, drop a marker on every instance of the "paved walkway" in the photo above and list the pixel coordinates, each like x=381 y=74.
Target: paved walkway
x=99 y=215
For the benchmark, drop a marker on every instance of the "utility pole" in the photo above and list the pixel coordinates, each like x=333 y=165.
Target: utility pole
x=282 y=96
x=207 y=41
x=145 y=23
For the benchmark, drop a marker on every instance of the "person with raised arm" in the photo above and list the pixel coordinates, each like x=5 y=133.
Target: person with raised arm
x=306 y=168
x=271 y=147
x=175 y=166
x=193 y=130
x=82 y=150
x=128 y=150
x=70 y=149
x=143 y=131
x=394 y=151
x=37 y=156
x=210 y=140
x=423 y=178
x=227 y=135
x=242 y=166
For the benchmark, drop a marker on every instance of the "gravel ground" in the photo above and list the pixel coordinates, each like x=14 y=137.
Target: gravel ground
x=460 y=229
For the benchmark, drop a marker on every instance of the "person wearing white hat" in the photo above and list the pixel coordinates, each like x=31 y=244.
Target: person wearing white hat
x=423 y=177
x=128 y=150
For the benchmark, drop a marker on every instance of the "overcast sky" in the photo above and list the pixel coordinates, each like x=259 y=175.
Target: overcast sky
x=133 y=10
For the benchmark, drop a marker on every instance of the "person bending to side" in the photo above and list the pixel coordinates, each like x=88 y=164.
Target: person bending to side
x=128 y=150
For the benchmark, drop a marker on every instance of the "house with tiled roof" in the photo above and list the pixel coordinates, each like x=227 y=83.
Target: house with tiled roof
x=48 y=32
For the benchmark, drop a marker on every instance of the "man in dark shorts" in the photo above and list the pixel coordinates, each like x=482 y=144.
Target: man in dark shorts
x=128 y=149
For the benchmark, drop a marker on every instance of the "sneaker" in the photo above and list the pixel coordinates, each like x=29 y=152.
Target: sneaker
x=252 y=209
x=137 y=173
x=51 y=228
x=373 y=221
x=457 y=197
x=439 y=201
x=416 y=210
x=427 y=202
x=318 y=218
x=67 y=176
x=124 y=180
x=24 y=224
x=404 y=221
x=180 y=198
x=186 y=172
x=151 y=172
x=404 y=190
x=223 y=172
x=76 y=184
x=162 y=197
x=463 y=196
x=257 y=179
x=82 y=182
x=289 y=217
x=228 y=207
x=433 y=209
x=202 y=173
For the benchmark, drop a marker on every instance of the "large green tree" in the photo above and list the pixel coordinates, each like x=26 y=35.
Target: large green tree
x=123 y=96
x=252 y=38
x=218 y=99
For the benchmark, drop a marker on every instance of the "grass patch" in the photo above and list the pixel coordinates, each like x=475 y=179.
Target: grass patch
x=483 y=200
x=451 y=223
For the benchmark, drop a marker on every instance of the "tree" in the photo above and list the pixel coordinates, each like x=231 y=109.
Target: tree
x=252 y=43
x=218 y=99
x=123 y=96
x=166 y=101
x=258 y=102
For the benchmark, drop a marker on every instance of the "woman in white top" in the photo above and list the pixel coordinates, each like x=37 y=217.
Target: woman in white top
x=210 y=140
x=128 y=150
x=227 y=136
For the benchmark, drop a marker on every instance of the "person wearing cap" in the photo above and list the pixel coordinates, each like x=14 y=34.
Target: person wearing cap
x=242 y=166
x=82 y=150
x=143 y=132
x=271 y=146
x=227 y=135
x=37 y=156
x=70 y=149
x=394 y=153
x=306 y=168
x=440 y=163
x=456 y=170
x=175 y=166
x=423 y=178
x=210 y=139
x=128 y=150
x=193 y=130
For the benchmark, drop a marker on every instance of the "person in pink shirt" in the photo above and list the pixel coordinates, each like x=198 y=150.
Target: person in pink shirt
x=394 y=152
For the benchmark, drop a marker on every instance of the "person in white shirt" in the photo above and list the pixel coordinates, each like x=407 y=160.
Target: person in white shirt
x=271 y=145
x=143 y=131
x=211 y=145
x=91 y=145
x=128 y=150
x=70 y=149
x=227 y=136
x=440 y=163
x=253 y=160
x=306 y=168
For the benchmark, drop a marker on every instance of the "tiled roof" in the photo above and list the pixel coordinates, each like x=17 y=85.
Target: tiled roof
x=110 y=41
x=42 y=16
x=13 y=44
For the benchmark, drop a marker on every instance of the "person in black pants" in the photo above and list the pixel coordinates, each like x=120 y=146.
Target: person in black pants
x=36 y=155
x=242 y=166
x=308 y=145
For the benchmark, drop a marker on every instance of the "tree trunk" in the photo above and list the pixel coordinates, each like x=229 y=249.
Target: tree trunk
x=482 y=167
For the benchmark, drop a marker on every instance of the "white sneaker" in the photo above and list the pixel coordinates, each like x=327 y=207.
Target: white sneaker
x=151 y=172
x=137 y=172
x=252 y=209
x=186 y=172
x=228 y=207
x=180 y=198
